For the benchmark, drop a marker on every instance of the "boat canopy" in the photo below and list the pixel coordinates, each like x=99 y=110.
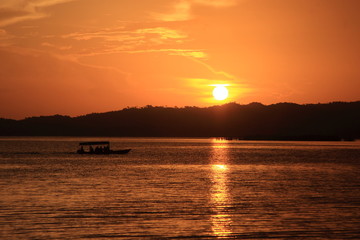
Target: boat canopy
x=93 y=143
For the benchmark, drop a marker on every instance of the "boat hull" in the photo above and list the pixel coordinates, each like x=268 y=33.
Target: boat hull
x=122 y=151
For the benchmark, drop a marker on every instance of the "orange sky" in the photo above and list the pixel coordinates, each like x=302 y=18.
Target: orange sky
x=73 y=57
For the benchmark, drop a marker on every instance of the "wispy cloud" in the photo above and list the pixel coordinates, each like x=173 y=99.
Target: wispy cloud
x=120 y=34
x=163 y=33
x=194 y=53
x=14 y=11
x=155 y=39
x=217 y=3
x=180 y=12
x=50 y=45
x=5 y=38
x=216 y=72
x=182 y=9
x=100 y=34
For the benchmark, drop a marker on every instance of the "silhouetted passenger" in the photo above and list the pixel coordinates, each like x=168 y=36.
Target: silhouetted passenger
x=81 y=150
x=97 y=150
x=91 y=149
x=106 y=149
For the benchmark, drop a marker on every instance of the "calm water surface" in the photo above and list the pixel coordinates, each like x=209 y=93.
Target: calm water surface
x=179 y=189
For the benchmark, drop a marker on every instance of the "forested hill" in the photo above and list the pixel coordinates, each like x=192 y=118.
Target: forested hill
x=282 y=121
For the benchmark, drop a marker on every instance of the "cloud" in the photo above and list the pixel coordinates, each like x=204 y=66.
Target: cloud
x=41 y=84
x=181 y=10
x=175 y=52
x=153 y=39
x=14 y=11
x=216 y=3
x=120 y=34
x=163 y=33
x=50 y=45
x=5 y=38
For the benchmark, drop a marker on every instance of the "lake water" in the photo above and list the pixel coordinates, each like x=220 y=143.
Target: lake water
x=179 y=189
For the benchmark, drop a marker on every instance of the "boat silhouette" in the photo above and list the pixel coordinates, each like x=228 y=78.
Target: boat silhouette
x=101 y=148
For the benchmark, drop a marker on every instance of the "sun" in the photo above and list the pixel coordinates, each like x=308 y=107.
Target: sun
x=220 y=92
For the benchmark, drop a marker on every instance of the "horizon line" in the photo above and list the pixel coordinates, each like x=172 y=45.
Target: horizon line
x=174 y=107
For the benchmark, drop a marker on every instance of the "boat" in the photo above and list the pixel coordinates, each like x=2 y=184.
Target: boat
x=99 y=148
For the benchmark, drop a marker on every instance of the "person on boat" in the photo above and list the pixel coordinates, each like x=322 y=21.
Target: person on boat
x=106 y=149
x=81 y=150
x=91 y=149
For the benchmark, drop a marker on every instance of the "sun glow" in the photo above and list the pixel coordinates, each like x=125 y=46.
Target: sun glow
x=220 y=92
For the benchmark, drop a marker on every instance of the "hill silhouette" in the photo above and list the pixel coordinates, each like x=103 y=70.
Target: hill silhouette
x=282 y=121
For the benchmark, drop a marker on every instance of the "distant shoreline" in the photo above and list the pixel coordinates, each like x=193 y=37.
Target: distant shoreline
x=44 y=137
x=338 y=121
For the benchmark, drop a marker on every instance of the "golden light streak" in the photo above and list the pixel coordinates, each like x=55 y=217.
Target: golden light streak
x=220 y=196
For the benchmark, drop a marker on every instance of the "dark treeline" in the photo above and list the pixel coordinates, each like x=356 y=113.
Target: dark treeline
x=282 y=121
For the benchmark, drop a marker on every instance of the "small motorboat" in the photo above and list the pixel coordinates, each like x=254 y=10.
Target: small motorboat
x=100 y=148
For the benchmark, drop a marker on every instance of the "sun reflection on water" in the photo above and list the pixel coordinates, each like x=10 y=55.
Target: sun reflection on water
x=220 y=196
